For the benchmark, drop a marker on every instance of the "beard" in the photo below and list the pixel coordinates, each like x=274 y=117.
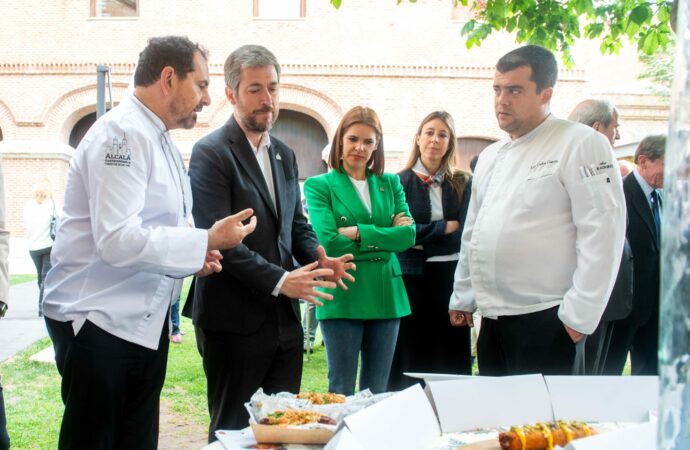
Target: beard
x=186 y=120
x=250 y=123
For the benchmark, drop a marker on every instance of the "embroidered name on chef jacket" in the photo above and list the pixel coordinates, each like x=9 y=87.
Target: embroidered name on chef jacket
x=118 y=153
x=542 y=169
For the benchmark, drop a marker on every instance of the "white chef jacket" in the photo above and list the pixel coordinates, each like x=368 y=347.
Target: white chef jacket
x=545 y=227
x=124 y=239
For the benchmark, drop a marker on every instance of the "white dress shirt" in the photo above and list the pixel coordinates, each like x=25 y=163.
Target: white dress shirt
x=541 y=230
x=124 y=240
x=37 y=217
x=436 y=202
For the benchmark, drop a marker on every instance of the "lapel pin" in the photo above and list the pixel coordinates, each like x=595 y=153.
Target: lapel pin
x=278 y=157
x=382 y=189
x=343 y=219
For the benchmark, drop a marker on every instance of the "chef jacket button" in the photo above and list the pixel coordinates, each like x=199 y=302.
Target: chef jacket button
x=343 y=219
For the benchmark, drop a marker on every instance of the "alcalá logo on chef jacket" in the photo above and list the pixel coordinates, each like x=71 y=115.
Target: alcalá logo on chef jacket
x=118 y=153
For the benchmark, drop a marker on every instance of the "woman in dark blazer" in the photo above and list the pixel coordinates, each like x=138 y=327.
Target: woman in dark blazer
x=438 y=196
x=356 y=208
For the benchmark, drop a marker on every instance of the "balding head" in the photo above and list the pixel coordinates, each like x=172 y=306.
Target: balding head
x=598 y=114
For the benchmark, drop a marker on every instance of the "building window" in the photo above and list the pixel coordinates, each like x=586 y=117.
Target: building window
x=114 y=8
x=280 y=9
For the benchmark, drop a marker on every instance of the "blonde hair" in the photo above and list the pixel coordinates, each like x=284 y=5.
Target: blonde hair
x=457 y=178
x=43 y=191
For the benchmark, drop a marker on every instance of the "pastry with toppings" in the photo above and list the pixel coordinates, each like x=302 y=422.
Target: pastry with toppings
x=318 y=398
x=289 y=417
x=543 y=436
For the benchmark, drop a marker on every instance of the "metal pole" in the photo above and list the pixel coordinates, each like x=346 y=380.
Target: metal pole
x=101 y=71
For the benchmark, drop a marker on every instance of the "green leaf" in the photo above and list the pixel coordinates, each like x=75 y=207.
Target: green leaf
x=650 y=42
x=337 y=3
x=468 y=27
x=664 y=14
x=631 y=29
x=641 y=14
x=510 y=24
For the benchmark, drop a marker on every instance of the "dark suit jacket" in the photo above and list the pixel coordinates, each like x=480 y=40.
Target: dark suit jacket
x=431 y=234
x=645 y=249
x=226 y=179
x=620 y=301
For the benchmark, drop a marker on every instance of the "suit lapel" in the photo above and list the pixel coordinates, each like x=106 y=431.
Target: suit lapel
x=279 y=183
x=239 y=146
x=348 y=196
x=641 y=206
x=380 y=204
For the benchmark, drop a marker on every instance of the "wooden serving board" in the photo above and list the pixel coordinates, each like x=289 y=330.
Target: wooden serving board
x=489 y=444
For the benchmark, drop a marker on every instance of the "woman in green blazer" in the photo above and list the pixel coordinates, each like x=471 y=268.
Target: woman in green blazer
x=358 y=209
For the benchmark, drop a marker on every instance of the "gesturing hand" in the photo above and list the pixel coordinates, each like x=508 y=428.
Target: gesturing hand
x=302 y=283
x=339 y=266
x=211 y=264
x=230 y=231
x=460 y=318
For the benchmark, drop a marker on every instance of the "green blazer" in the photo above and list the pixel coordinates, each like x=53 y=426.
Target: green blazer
x=333 y=202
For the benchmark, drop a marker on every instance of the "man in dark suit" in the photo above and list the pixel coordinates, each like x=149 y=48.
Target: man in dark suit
x=603 y=117
x=639 y=333
x=247 y=319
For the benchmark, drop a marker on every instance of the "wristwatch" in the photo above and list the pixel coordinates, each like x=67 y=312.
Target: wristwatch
x=3 y=309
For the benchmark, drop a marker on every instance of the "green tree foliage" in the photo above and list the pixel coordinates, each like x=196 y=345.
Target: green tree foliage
x=658 y=68
x=556 y=24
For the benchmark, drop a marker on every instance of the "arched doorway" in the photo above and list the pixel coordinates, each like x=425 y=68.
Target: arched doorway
x=468 y=147
x=306 y=137
x=80 y=128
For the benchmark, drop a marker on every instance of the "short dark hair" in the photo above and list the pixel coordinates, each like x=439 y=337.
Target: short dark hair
x=653 y=147
x=365 y=116
x=160 y=52
x=540 y=60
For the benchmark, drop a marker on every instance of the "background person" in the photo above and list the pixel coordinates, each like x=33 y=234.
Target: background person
x=358 y=209
x=4 y=295
x=438 y=196
x=639 y=332
x=602 y=116
x=38 y=215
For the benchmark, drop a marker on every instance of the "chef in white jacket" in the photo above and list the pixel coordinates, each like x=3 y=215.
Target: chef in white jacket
x=544 y=231
x=123 y=245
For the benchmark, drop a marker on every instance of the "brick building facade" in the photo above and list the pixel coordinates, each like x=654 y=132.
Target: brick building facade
x=404 y=61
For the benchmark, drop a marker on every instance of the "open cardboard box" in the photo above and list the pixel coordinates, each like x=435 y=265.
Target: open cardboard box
x=408 y=421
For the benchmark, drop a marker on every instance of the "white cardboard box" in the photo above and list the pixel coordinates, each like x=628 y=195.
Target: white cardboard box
x=407 y=421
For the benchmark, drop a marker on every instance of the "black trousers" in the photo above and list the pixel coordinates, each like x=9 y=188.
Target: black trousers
x=524 y=344
x=4 y=437
x=237 y=365
x=110 y=388
x=597 y=348
x=426 y=340
x=41 y=259
x=641 y=340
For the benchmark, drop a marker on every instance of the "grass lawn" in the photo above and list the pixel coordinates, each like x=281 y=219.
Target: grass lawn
x=18 y=279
